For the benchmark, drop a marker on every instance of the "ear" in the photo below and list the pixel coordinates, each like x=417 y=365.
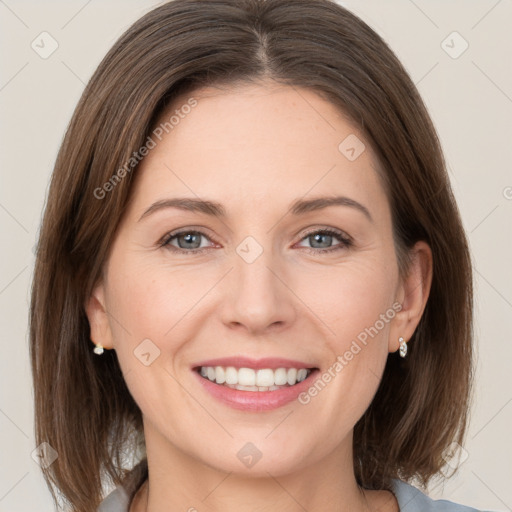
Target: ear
x=98 y=318
x=412 y=294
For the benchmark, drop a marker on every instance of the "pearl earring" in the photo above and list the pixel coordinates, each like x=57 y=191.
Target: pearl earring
x=403 y=347
x=98 y=349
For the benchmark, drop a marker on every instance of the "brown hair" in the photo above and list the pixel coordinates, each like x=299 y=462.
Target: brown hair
x=83 y=408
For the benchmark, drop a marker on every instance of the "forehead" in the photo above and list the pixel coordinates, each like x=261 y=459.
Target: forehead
x=247 y=144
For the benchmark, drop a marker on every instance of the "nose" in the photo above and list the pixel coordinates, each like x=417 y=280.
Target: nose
x=259 y=298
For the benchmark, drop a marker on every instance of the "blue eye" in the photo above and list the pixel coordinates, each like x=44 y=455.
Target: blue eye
x=189 y=241
x=186 y=240
x=326 y=236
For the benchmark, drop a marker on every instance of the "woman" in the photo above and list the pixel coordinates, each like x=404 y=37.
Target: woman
x=252 y=271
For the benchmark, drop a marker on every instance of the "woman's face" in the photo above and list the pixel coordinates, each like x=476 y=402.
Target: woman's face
x=254 y=276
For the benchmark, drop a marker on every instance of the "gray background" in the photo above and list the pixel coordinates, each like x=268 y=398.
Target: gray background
x=470 y=100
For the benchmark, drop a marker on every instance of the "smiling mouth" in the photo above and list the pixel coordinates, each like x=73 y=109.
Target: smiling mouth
x=249 y=379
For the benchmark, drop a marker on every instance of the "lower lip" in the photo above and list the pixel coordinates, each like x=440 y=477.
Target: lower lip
x=256 y=400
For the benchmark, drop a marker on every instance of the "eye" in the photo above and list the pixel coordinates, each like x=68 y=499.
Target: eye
x=186 y=239
x=324 y=237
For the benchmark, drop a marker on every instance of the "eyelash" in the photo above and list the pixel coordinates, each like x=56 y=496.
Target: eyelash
x=346 y=241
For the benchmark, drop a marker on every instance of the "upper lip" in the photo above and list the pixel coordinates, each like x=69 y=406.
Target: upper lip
x=256 y=364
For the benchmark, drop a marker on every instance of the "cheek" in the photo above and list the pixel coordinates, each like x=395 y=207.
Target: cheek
x=151 y=309
x=350 y=299
x=355 y=305
x=154 y=301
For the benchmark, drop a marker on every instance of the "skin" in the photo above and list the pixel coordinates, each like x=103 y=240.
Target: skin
x=255 y=149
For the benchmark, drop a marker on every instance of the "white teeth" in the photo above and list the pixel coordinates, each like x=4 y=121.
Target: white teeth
x=220 y=375
x=292 y=376
x=247 y=379
x=246 y=388
x=280 y=377
x=302 y=374
x=265 y=378
x=231 y=375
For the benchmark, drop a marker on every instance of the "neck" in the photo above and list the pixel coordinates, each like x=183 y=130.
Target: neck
x=178 y=481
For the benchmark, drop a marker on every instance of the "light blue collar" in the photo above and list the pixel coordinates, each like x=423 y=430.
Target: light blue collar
x=411 y=499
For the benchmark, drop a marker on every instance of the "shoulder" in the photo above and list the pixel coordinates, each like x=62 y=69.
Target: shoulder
x=117 y=501
x=120 y=498
x=411 y=499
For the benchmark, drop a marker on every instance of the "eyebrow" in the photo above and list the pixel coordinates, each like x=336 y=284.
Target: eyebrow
x=214 y=209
